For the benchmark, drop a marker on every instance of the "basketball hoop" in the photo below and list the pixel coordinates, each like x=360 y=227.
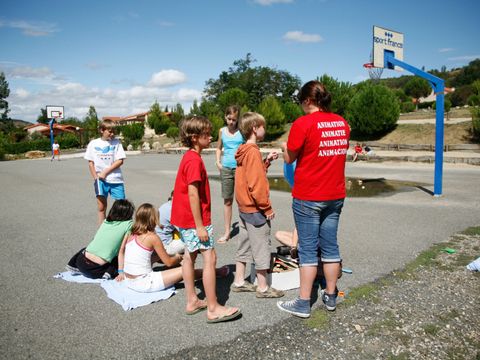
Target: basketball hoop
x=375 y=73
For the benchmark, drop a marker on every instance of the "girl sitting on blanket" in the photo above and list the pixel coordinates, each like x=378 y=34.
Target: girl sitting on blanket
x=142 y=248
x=99 y=259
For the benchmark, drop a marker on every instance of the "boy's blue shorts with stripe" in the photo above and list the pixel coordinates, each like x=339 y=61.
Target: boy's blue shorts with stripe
x=102 y=188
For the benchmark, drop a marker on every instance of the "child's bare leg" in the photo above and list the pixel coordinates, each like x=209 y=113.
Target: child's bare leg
x=227 y=215
x=172 y=276
x=209 y=283
x=102 y=208
x=188 y=273
x=262 y=280
x=239 y=273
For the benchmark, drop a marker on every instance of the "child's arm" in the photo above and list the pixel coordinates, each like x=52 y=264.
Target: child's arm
x=154 y=241
x=272 y=155
x=121 y=258
x=288 y=155
x=218 y=150
x=194 y=199
x=91 y=168
x=116 y=164
x=257 y=183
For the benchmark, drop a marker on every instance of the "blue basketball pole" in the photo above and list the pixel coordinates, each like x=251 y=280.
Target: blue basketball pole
x=439 y=89
x=50 y=123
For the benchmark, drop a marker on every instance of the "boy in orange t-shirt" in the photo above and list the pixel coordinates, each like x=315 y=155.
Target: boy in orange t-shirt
x=252 y=193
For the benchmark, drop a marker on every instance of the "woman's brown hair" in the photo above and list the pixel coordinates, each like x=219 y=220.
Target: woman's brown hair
x=316 y=91
x=146 y=218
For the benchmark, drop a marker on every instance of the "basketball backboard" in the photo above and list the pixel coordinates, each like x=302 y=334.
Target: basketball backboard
x=55 y=112
x=386 y=40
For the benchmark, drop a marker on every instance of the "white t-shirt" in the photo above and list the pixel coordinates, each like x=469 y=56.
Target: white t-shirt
x=56 y=147
x=104 y=154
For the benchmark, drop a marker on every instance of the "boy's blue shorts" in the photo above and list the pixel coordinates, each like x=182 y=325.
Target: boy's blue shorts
x=192 y=242
x=102 y=188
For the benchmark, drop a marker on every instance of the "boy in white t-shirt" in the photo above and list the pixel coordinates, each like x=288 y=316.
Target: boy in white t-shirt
x=105 y=155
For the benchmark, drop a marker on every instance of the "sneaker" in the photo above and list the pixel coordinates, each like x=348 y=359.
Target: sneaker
x=330 y=300
x=71 y=268
x=270 y=293
x=245 y=287
x=297 y=307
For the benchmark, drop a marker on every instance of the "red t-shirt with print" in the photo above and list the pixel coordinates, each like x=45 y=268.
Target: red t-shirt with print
x=321 y=142
x=191 y=170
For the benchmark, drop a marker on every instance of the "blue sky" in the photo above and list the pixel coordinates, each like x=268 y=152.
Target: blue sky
x=120 y=56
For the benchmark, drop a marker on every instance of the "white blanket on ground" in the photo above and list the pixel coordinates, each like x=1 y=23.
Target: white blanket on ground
x=118 y=291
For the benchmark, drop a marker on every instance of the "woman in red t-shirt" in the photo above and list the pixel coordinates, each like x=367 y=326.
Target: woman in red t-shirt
x=319 y=142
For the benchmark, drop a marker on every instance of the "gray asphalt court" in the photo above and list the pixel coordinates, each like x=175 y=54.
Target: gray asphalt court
x=48 y=213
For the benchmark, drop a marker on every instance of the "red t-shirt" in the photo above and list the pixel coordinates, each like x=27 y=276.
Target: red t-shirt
x=191 y=169
x=321 y=143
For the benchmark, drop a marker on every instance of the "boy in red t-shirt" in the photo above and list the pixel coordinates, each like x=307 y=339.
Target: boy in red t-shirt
x=191 y=215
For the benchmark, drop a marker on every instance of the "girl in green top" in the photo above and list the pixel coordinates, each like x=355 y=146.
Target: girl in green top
x=99 y=259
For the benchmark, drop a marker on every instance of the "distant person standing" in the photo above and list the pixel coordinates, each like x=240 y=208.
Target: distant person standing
x=319 y=142
x=105 y=155
x=229 y=138
x=55 y=151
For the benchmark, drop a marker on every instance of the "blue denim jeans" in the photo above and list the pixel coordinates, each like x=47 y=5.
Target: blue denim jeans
x=317 y=225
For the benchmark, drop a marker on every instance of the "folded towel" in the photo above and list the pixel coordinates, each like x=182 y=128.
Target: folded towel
x=131 y=299
x=76 y=277
x=474 y=265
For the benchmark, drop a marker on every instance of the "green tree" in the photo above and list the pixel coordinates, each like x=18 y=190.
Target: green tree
x=272 y=112
x=4 y=94
x=91 y=119
x=258 y=82
x=217 y=123
x=373 y=111
x=210 y=108
x=233 y=96
x=177 y=114
x=132 y=132
x=195 y=109
x=154 y=115
x=417 y=88
x=340 y=91
x=43 y=118
x=447 y=105
x=292 y=111
x=72 y=120
x=163 y=124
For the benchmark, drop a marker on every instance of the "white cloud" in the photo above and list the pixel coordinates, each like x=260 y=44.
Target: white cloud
x=96 y=66
x=464 y=58
x=28 y=72
x=167 y=78
x=22 y=93
x=270 y=2
x=300 y=36
x=38 y=28
x=77 y=97
x=444 y=50
x=164 y=23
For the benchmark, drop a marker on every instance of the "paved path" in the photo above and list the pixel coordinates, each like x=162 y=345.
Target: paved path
x=48 y=212
x=432 y=121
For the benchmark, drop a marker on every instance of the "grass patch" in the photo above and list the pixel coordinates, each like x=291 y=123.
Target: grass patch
x=431 y=329
x=474 y=230
x=362 y=292
x=401 y=356
x=387 y=324
x=463 y=259
x=320 y=319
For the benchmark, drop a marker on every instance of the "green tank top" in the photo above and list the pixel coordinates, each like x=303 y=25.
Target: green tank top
x=108 y=239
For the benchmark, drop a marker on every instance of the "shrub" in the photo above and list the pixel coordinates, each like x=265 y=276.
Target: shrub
x=476 y=123
x=407 y=107
x=217 y=123
x=162 y=124
x=373 y=111
x=473 y=100
x=24 y=146
x=132 y=132
x=341 y=92
x=68 y=141
x=426 y=105
x=173 y=132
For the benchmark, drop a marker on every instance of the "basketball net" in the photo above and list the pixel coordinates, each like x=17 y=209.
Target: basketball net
x=375 y=73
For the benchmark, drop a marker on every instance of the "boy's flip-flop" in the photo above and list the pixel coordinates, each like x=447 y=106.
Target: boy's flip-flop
x=224 y=317
x=222 y=240
x=197 y=310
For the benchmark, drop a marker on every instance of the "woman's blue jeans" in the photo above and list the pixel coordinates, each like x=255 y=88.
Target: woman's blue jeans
x=317 y=225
